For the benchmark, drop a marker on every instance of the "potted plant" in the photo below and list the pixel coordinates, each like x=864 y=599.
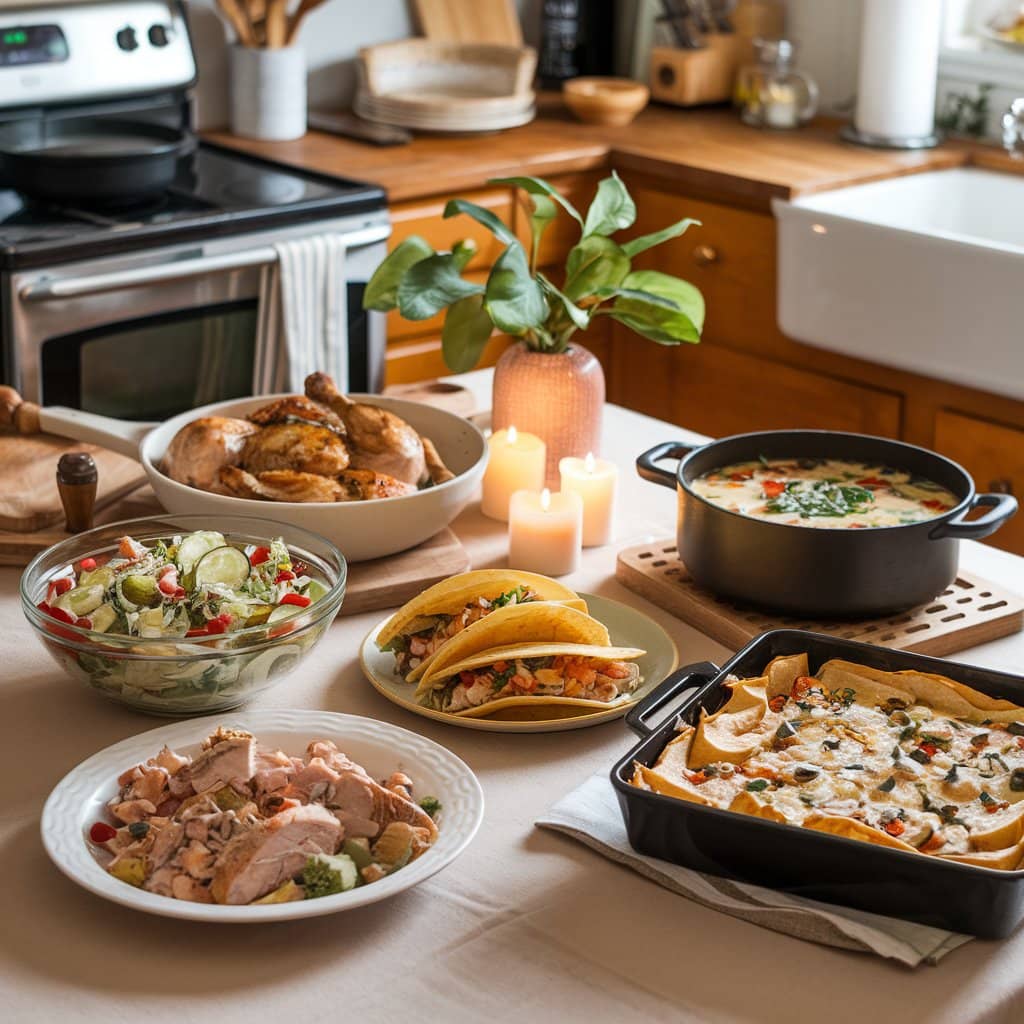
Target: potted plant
x=548 y=383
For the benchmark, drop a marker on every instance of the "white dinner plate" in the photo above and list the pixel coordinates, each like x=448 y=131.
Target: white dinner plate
x=80 y=799
x=628 y=628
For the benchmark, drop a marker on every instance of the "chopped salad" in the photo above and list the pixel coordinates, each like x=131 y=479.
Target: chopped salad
x=191 y=586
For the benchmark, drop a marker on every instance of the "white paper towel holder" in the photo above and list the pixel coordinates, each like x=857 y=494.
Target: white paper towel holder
x=851 y=133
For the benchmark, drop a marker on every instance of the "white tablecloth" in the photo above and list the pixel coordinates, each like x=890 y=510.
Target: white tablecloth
x=527 y=925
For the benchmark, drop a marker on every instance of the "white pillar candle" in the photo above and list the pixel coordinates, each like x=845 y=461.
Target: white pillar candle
x=594 y=480
x=516 y=463
x=545 y=531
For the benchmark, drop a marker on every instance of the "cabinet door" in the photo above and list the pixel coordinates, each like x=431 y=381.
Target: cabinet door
x=994 y=455
x=719 y=392
x=418 y=359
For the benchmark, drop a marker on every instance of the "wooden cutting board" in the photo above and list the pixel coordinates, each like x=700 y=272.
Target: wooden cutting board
x=28 y=486
x=382 y=583
x=972 y=611
x=470 y=21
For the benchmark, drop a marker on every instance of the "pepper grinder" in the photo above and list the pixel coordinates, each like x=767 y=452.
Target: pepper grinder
x=76 y=482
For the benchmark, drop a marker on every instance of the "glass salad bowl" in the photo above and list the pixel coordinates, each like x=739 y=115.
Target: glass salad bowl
x=216 y=610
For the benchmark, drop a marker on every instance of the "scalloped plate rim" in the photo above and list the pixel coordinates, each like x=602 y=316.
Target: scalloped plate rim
x=98 y=773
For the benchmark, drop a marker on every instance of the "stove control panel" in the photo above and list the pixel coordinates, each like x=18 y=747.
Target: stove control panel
x=81 y=52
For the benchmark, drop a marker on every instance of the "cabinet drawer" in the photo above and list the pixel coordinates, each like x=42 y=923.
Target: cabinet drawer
x=730 y=258
x=994 y=455
x=718 y=392
x=420 y=359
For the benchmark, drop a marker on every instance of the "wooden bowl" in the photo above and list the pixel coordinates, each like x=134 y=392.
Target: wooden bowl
x=611 y=101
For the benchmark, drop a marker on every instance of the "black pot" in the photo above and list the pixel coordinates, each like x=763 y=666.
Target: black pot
x=804 y=571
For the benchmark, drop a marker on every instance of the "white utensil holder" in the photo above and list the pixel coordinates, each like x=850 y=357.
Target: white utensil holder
x=268 y=92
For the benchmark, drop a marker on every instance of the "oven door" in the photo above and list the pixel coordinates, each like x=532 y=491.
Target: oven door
x=147 y=336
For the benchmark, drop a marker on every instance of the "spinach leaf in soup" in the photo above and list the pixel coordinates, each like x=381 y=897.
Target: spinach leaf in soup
x=821 y=498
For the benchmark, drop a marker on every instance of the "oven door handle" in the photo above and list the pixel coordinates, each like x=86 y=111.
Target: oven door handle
x=74 y=287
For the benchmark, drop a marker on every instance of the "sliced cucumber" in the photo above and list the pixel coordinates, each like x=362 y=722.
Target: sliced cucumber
x=224 y=565
x=315 y=590
x=81 y=600
x=195 y=545
x=141 y=591
x=103 y=618
x=102 y=576
x=284 y=611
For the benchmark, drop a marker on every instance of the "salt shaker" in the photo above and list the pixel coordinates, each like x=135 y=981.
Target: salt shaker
x=76 y=482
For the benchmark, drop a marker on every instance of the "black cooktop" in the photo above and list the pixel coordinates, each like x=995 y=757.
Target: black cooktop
x=218 y=192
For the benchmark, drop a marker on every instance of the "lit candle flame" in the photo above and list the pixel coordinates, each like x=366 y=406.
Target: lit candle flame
x=513 y=435
x=589 y=463
x=545 y=500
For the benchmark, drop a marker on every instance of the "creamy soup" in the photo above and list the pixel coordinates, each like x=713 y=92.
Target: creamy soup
x=828 y=493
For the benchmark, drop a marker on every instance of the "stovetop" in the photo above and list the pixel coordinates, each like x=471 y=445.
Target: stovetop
x=217 y=192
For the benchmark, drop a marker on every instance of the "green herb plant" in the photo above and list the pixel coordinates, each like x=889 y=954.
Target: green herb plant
x=520 y=300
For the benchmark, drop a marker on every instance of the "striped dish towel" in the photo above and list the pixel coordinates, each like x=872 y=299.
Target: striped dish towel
x=302 y=323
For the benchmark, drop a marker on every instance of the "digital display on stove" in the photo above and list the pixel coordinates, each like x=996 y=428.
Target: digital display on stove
x=32 y=44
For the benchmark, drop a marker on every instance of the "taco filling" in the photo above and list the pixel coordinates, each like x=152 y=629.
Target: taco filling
x=585 y=678
x=425 y=634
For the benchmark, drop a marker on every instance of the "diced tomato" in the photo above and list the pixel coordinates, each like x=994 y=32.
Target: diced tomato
x=993 y=807
x=179 y=594
x=697 y=778
x=60 y=615
x=101 y=832
x=935 y=842
x=772 y=488
x=777 y=703
x=747 y=475
x=935 y=505
x=802 y=685
x=284 y=575
x=87 y=564
x=259 y=556
x=168 y=585
x=894 y=827
x=299 y=600
x=467 y=678
x=758 y=772
x=83 y=622
x=929 y=748
x=215 y=626
x=62 y=586
x=873 y=481
x=500 y=666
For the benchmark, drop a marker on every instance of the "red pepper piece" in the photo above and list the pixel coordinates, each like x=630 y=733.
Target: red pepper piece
x=873 y=481
x=200 y=631
x=935 y=505
x=300 y=600
x=777 y=703
x=772 y=488
x=259 y=556
x=61 y=586
x=299 y=568
x=929 y=748
x=894 y=827
x=83 y=622
x=60 y=615
x=87 y=564
x=284 y=575
x=101 y=832
x=216 y=626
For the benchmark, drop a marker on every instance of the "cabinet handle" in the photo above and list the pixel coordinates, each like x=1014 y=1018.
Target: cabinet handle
x=1001 y=486
x=705 y=255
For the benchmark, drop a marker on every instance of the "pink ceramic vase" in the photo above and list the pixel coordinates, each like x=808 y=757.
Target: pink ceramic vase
x=557 y=396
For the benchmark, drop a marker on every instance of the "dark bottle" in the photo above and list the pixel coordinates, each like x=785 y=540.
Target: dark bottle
x=577 y=37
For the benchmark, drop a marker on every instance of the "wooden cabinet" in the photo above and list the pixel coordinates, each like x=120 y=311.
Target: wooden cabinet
x=994 y=455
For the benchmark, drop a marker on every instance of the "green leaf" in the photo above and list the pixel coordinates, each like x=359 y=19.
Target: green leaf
x=638 y=245
x=612 y=209
x=467 y=329
x=578 y=316
x=650 y=316
x=539 y=187
x=382 y=290
x=686 y=296
x=514 y=300
x=544 y=212
x=593 y=264
x=494 y=224
x=432 y=284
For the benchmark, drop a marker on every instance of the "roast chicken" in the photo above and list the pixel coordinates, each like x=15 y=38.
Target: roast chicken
x=317 y=447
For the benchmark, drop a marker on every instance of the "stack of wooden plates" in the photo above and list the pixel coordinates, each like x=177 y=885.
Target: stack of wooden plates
x=447 y=87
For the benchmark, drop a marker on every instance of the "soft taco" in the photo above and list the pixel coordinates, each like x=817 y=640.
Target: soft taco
x=537 y=622
x=421 y=627
x=532 y=673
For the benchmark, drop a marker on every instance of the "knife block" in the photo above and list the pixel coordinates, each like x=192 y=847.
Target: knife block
x=687 y=78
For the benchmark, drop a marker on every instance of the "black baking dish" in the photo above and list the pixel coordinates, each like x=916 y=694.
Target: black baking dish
x=960 y=897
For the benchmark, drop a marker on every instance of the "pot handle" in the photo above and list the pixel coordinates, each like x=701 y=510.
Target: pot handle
x=1002 y=506
x=647 y=464
x=682 y=679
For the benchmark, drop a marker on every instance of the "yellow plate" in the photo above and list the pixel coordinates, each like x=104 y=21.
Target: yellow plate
x=628 y=628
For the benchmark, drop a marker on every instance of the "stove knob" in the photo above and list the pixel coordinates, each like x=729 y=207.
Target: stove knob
x=127 y=39
x=159 y=35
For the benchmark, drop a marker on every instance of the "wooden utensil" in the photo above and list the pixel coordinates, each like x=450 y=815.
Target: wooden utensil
x=236 y=16
x=470 y=21
x=277 y=24
x=298 y=16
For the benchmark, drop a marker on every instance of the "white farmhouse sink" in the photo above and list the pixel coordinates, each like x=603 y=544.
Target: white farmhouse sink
x=923 y=272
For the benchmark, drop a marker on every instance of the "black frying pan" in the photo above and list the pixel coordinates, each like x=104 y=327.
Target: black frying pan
x=91 y=158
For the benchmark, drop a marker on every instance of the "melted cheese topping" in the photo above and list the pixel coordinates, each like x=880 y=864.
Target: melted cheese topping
x=824 y=493
x=900 y=759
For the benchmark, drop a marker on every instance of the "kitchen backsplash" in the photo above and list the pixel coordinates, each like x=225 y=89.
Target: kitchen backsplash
x=331 y=36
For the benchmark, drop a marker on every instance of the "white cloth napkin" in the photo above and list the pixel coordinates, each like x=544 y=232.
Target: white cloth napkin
x=303 y=316
x=591 y=814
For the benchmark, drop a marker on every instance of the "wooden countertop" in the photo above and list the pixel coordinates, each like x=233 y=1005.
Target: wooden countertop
x=707 y=150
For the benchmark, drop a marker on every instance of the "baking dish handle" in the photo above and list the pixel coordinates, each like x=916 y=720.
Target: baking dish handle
x=685 y=678
x=647 y=464
x=1002 y=506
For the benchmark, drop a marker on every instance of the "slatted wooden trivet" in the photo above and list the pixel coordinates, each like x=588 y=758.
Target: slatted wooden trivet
x=972 y=611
